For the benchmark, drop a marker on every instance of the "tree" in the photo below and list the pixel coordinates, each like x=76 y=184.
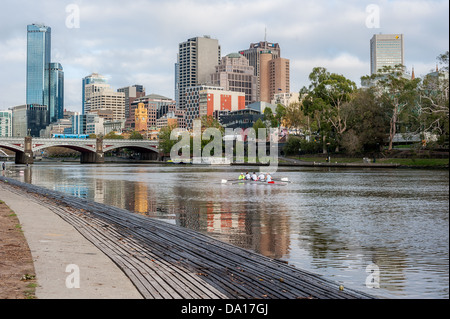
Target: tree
x=325 y=99
x=269 y=118
x=209 y=121
x=434 y=100
x=135 y=135
x=165 y=143
x=397 y=94
x=113 y=135
x=257 y=125
x=280 y=112
x=294 y=117
x=367 y=125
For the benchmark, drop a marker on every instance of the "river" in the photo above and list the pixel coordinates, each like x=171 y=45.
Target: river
x=381 y=231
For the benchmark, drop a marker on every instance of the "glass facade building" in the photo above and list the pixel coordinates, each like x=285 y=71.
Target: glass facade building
x=38 y=61
x=29 y=119
x=56 y=100
x=93 y=78
x=45 y=80
x=386 y=50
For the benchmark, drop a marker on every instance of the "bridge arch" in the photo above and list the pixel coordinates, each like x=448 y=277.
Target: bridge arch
x=148 y=152
x=92 y=150
x=65 y=145
x=13 y=144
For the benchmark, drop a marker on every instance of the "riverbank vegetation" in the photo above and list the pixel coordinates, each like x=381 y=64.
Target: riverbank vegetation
x=333 y=116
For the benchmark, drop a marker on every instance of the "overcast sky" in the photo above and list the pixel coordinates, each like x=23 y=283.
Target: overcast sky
x=136 y=42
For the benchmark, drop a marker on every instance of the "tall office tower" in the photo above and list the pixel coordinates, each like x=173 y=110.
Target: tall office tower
x=101 y=99
x=235 y=74
x=279 y=78
x=45 y=80
x=93 y=78
x=196 y=61
x=386 y=50
x=38 y=61
x=56 y=100
x=131 y=94
x=269 y=68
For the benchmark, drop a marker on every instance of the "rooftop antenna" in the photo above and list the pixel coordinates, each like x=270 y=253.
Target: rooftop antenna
x=265 y=34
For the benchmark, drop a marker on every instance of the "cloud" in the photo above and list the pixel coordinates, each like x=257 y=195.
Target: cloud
x=346 y=64
x=136 y=42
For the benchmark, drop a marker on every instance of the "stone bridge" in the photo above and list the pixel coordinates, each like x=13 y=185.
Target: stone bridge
x=92 y=150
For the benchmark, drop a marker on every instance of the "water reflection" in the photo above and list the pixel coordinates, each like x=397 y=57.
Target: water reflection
x=334 y=222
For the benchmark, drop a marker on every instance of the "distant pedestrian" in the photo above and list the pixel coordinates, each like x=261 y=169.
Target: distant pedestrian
x=3 y=165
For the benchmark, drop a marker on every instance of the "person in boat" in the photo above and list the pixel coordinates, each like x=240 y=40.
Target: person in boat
x=261 y=177
x=242 y=176
x=254 y=177
x=268 y=178
x=247 y=176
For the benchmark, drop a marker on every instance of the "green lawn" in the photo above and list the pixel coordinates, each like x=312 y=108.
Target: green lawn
x=416 y=161
x=402 y=161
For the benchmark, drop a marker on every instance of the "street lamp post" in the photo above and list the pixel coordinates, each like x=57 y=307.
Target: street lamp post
x=328 y=153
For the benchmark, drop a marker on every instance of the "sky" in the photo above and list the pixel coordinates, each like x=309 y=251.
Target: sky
x=136 y=42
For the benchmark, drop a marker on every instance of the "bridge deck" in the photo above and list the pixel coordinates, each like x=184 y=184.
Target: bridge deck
x=165 y=261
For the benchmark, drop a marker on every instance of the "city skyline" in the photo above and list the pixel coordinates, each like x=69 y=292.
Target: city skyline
x=141 y=47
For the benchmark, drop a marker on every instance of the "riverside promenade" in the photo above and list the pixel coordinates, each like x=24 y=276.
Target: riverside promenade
x=120 y=254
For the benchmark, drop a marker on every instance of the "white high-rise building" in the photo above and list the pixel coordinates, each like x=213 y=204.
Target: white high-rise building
x=100 y=96
x=197 y=60
x=92 y=78
x=386 y=50
x=6 y=123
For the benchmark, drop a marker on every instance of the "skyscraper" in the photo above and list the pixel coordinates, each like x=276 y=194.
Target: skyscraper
x=56 y=100
x=100 y=97
x=197 y=60
x=45 y=80
x=235 y=74
x=386 y=50
x=38 y=60
x=271 y=70
x=93 y=78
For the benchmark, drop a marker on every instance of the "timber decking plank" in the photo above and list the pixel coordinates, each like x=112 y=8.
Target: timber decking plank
x=147 y=271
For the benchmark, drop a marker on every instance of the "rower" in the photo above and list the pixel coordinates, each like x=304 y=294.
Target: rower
x=254 y=177
x=242 y=176
x=268 y=177
x=261 y=177
x=247 y=176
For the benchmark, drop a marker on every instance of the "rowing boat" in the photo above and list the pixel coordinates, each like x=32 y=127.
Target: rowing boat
x=283 y=181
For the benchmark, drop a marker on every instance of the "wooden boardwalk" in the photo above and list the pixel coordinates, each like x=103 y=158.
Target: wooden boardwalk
x=165 y=261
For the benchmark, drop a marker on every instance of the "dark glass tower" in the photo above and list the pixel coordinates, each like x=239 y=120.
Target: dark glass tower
x=56 y=101
x=38 y=61
x=45 y=80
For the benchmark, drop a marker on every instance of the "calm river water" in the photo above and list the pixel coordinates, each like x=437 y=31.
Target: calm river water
x=339 y=223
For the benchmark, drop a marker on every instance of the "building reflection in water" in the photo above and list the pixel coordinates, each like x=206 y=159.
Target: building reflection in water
x=241 y=215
